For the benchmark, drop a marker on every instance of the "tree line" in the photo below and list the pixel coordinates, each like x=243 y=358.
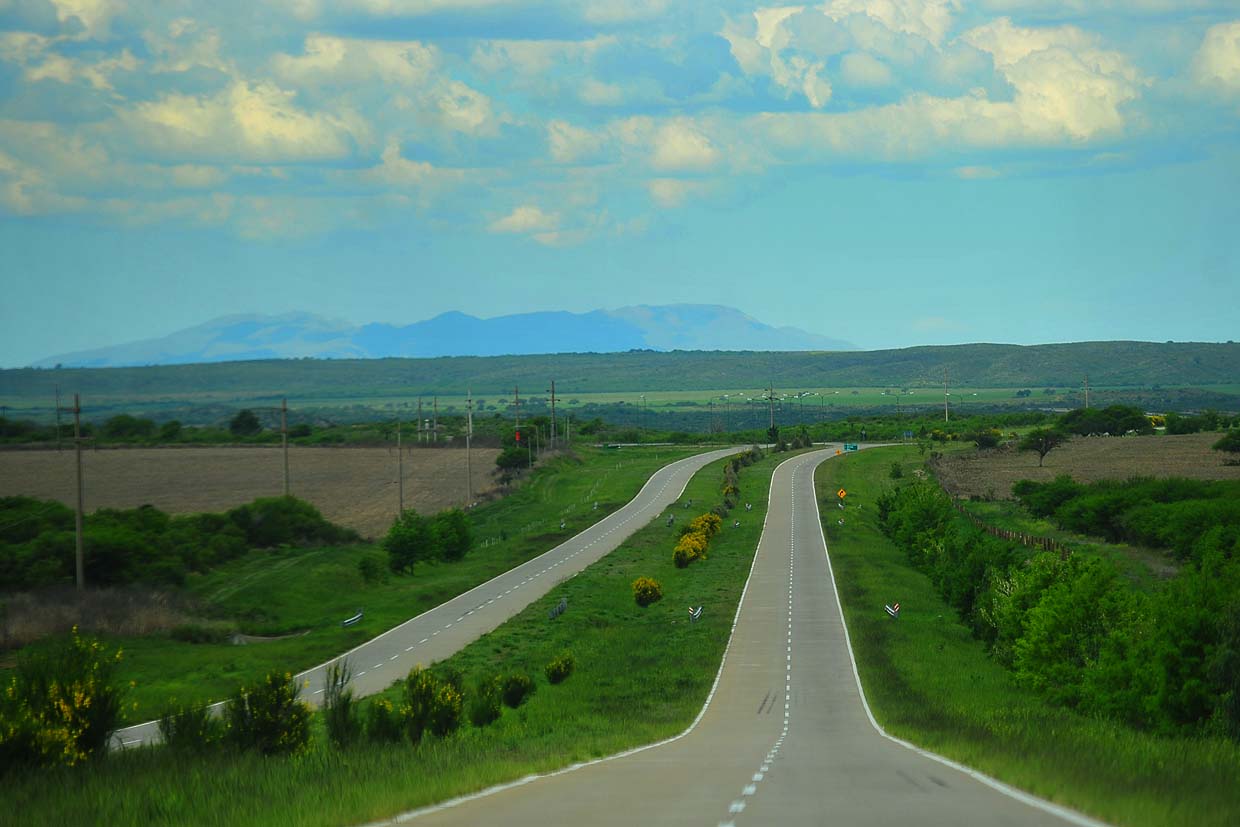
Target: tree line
x=1073 y=627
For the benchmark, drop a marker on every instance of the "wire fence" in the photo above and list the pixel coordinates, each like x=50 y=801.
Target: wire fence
x=1028 y=540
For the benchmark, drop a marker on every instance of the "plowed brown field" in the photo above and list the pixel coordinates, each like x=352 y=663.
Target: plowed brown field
x=355 y=487
x=1086 y=459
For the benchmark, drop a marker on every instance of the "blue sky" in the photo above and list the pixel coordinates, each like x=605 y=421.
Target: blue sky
x=888 y=172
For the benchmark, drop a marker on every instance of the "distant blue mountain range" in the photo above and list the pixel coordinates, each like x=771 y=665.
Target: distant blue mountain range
x=300 y=335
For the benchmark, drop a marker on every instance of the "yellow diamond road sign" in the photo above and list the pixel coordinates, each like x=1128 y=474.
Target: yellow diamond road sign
x=841 y=493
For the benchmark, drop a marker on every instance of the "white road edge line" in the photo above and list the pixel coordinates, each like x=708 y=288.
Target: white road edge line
x=1065 y=813
x=401 y=818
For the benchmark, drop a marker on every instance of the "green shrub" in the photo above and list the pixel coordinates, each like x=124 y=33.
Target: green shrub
x=266 y=716
x=646 y=591
x=202 y=633
x=383 y=721
x=451 y=534
x=340 y=715
x=60 y=704
x=485 y=704
x=408 y=541
x=272 y=521
x=515 y=689
x=190 y=728
x=560 y=667
x=371 y=569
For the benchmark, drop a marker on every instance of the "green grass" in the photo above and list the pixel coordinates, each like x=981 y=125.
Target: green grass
x=641 y=675
x=289 y=591
x=930 y=682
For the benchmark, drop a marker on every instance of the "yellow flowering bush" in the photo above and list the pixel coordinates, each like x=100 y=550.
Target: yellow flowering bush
x=706 y=524
x=60 y=705
x=690 y=547
x=646 y=590
x=267 y=716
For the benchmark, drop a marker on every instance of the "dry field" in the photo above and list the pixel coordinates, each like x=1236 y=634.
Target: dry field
x=355 y=487
x=1086 y=459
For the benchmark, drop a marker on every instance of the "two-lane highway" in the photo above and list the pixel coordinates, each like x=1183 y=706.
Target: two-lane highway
x=449 y=627
x=785 y=738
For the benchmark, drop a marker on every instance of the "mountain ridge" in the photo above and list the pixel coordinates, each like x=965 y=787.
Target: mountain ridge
x=300 y=335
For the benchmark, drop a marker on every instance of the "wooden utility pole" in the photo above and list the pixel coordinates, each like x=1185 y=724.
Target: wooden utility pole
x=434 y=419
x=1087 y=391
x=516 y=407
x=78 y=553
x=944 y=394
x=420 y=429
x=400 y=472
x=284 y=438
x=58 y=418
x=469 y=435
x=552 y=414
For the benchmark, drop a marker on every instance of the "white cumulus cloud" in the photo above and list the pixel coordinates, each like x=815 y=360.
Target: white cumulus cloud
x=1217 y=62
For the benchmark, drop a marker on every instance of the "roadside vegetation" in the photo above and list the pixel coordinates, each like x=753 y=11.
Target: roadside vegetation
x=1052 y=673
x=288 y=599
x=544 y=690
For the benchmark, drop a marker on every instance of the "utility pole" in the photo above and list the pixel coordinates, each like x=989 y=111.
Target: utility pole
x=400 y=472
x=944 y=394
x=58 y=419
x=469 y=434
x=78 y=554
x=516 y=409
x=435 y=419
x=1087 y=391
x=284 y=438
x=552 y=414
x=419 y=420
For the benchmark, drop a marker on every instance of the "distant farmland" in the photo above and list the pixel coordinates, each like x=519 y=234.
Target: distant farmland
x=355 y=487
x=1086 y=459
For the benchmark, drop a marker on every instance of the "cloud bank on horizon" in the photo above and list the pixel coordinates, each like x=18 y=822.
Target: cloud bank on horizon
x=563 y=124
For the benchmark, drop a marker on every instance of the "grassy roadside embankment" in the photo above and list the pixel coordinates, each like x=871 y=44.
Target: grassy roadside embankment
x=930 y=682
x=290 y=591
x=641 y=675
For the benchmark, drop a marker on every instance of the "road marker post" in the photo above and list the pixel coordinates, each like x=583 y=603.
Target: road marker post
x=893 y=610
x=695 y=614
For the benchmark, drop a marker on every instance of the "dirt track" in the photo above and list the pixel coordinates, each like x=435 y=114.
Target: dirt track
x=1086 y=459
x=355 y=487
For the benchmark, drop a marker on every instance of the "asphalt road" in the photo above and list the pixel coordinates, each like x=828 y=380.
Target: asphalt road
x=449 y=627
x=785 y=737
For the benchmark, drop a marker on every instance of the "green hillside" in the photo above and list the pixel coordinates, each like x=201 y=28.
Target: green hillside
x=1113 y=364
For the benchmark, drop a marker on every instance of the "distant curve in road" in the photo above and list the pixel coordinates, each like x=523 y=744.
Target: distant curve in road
x=439 y=632
x=786 y=736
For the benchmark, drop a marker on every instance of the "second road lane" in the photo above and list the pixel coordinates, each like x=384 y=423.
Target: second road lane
x=449 y=627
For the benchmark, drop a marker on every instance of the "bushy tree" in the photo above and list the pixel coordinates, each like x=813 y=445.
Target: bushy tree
x=1042 y=441
x=1229 y=443
x=452 y=534
x=513 y=459
x=124 y=426
x=245 y=423
x=408 y=540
